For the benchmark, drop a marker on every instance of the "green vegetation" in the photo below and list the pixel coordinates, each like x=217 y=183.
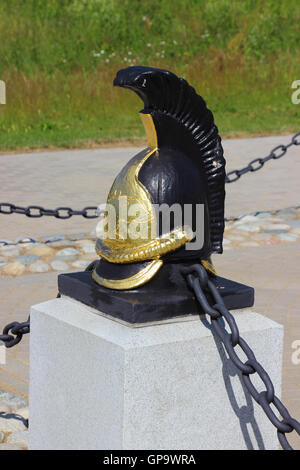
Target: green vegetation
x=59 y=57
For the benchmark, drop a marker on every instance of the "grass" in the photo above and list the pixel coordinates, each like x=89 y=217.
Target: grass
x=59 y=58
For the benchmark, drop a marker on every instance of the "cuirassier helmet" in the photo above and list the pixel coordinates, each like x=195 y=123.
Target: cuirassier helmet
x=182 y=168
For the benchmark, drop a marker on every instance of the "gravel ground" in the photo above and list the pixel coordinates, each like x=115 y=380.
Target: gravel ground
x=59 y=253
x=14 y=417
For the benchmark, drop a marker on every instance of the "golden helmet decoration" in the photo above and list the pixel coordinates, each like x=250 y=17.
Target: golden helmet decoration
x=181 y=170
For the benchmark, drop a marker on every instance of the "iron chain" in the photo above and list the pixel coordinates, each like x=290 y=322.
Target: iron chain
x=13 y=333
x=258 y=163
x=89 y=212
x=215 y=308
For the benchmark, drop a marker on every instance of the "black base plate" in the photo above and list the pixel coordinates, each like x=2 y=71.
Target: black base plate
x=167 y=295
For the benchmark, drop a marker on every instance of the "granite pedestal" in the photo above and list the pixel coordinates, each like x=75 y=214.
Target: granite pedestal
x=99 y=383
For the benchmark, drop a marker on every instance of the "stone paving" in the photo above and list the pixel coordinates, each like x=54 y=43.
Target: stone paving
x=40 y=257
x=80 y=178
x=61 y=252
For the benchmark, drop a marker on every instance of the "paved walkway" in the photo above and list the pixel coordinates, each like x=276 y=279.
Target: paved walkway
x=80 y=178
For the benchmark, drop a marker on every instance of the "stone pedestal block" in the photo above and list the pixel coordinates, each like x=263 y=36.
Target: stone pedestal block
x=98 y=383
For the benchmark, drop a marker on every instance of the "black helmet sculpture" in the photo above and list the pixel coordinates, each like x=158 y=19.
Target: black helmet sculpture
x=183 y=168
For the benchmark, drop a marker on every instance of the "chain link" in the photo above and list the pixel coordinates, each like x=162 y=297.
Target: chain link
x=205 y=289
x=89 y=212
x=258 y=163
x=13 y=333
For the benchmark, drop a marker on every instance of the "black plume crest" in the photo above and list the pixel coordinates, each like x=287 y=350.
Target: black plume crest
x=164 y=92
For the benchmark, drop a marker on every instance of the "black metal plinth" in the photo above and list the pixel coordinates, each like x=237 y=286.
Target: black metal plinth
x=166 y=296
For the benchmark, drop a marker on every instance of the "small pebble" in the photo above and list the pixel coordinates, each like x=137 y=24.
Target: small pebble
x=77 y=236
x=11 y=423
x=30 y=246
x=248 y=228
x=24 y=412
x=38 y=267
x=26 y=240
x=288 y=237
x=260 y=236
x=53 y=238
x=61 y=243
x=58 y=265
x=247 y=219
x=234 y=237
x=81 y=263
x=64 y=258
x=275 y=231
x=287 y=214
x=13 y=400
x=6 y=446
x=26 y=259
x=89 y=249
x=295 y=230
x=276 y=227
x=249 y=244
x=5 y=408
x=264 y=215
x=272 y=220
x=13 y=269
x=84 y=241
x=90 y=256
x=294 y=223
x=9 y=250
x=19 y=439
x=42 y=250
x=67 y=252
